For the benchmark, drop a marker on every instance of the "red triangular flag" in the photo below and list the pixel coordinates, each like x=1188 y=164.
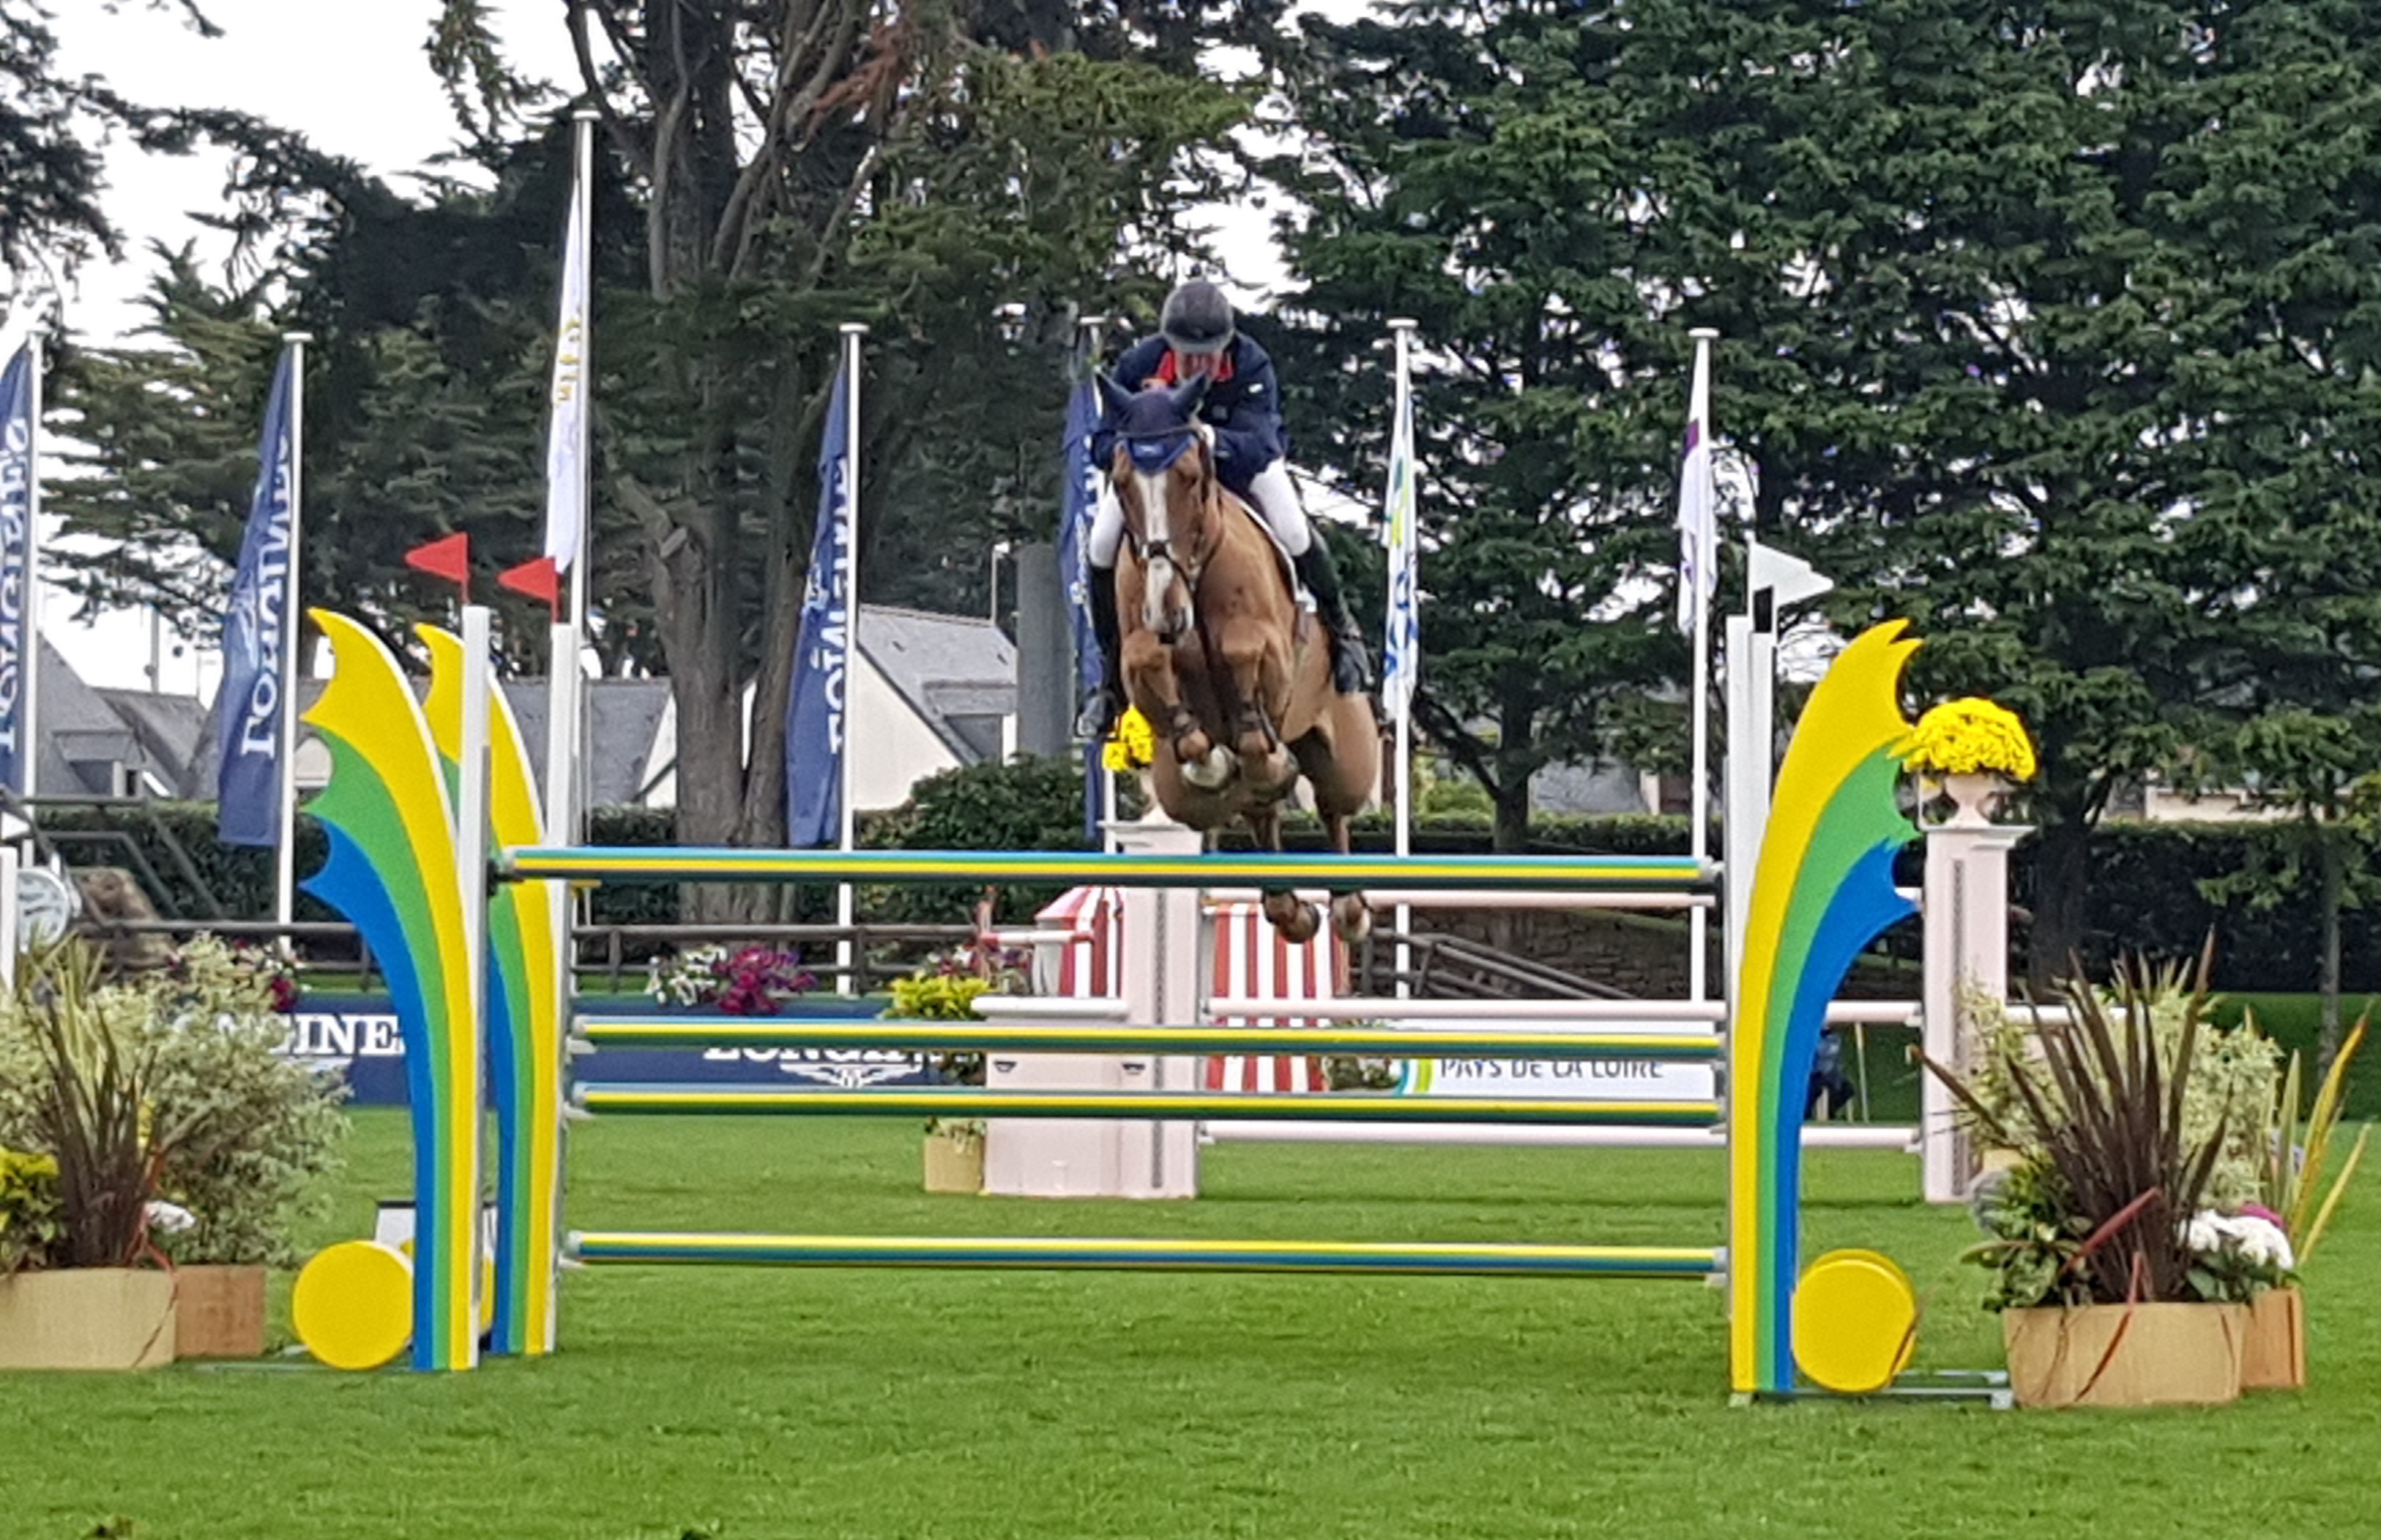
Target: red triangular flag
x=535 y=579
x=449 y=558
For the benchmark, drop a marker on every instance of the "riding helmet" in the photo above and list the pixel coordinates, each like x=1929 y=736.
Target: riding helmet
x=1197 y=318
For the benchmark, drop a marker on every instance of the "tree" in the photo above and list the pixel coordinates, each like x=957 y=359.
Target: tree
x=2048 y=327
x=50 y=173
x=1461 y=168
x=801 y=165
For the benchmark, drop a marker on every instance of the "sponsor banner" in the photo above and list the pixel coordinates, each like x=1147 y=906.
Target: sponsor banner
x=1563 y=1079
x=357 y=1038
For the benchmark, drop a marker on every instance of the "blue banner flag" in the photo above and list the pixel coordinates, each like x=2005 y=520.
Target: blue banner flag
x=256 y=681
x=1080 y=503
x=815 y=709
x=17 y=472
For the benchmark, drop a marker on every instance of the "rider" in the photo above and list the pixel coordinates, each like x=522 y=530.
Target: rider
x=1196 y=336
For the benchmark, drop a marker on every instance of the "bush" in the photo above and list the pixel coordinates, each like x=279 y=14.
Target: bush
x=1030 y=802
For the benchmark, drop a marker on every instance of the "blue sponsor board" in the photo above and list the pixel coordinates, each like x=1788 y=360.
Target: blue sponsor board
x=356 y=1037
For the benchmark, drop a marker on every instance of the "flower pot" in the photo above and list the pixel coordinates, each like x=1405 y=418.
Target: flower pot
x=954 y=1163
x=2126 y=1354
x=1974 y=795
x=2273 y=1356
x=219 y=1312
x=87 y=1318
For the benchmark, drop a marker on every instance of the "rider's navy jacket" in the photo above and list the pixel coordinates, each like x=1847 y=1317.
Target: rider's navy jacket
x=1243 y=407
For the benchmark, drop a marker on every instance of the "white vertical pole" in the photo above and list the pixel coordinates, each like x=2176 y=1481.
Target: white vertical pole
x=845 y=952
x=1402 y=329
x=11 y=861
x=565 y=768
x=472 y=878
x=29 y=734
x=285 y=857
x=1699 y=792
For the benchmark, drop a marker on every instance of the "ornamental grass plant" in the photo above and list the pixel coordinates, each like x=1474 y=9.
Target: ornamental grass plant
x=2111 y=1172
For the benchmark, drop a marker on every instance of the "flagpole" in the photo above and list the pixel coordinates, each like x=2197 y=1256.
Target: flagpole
x=565 y=725
x=285 y=860
x=1099 y=782
x=1699 y=792
x=845 y=952
x=30 y=737
x=1402 y=329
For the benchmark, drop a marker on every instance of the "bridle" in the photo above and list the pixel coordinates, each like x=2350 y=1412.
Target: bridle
x=1164 y=447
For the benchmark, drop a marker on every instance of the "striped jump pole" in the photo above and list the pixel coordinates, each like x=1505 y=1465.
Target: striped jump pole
x=966 y=1102
x=664 y=1031
x=1342 y=873
x=1438 y=1258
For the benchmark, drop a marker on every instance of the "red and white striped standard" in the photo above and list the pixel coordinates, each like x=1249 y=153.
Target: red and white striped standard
x=1254 y=961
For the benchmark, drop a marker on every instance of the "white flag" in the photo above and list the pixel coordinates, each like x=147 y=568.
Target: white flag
x=1401 y=654
x=565 y=444
x=1698 y=513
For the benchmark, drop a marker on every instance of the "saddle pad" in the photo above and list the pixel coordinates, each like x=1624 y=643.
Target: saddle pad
x=1289 y=569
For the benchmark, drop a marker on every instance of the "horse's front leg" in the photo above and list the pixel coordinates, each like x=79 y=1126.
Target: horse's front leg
x=1156 y=691
x=1256 y=664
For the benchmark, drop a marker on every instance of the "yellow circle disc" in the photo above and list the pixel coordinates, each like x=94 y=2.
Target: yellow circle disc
x=353 y=1305
x=1855 y=1321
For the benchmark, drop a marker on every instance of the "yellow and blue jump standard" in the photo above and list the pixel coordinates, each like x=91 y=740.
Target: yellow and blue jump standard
x=390 y=825
x=524 y=1018
x=1823 y=891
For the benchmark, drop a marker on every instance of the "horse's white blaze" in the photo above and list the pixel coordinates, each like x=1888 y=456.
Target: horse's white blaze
x=1160 y=578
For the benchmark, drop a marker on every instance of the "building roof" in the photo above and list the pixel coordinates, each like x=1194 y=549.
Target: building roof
x=957 y=671
x=623 y=715
x=81 y=738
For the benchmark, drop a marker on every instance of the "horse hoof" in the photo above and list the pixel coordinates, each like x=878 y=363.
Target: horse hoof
x=1209 y=772
x=1351 y=917
x=1296 y=922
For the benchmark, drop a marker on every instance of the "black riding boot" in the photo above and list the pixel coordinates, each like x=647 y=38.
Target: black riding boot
x=1351 y=668
x=1106 y=704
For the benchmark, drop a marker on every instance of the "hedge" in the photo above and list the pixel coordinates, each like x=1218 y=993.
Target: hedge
x=2145 y=878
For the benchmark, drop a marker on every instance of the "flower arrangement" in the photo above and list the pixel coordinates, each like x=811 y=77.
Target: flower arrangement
x=1133 y=743
x=2120 y=1125
x=752 y=981
x=32 y=1219
x=165 y=1114
x=1971 y=737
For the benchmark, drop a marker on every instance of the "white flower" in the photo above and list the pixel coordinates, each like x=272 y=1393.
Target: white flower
x=170 y=1218
x=2258 y=1240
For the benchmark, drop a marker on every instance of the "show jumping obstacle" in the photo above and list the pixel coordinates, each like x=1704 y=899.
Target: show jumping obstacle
x=1821 y=888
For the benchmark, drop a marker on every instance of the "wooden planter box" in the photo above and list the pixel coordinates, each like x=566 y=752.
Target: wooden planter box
x=954 y=1164
x=87 y=1318
x=2274 y=1357
x=2126 y=1354
x=219 y=1312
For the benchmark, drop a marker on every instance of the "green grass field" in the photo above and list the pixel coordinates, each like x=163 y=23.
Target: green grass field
x=753 y=1405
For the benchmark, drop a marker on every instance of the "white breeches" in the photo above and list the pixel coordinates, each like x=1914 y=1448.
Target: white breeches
x=1273 y=496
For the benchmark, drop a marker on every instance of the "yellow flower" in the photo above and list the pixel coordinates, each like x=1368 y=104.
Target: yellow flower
x=1969 y=737
x=1132 y=745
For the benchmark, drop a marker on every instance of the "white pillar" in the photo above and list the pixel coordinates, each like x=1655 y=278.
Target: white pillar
x=1966 y=908
x=1161 y=988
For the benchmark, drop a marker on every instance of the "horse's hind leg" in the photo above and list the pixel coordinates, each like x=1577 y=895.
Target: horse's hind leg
x=1291 y=916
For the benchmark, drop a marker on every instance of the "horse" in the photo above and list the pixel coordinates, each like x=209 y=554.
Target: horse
x=1233 y=674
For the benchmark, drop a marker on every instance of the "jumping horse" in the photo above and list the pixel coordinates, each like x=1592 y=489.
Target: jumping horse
x=1232 y=673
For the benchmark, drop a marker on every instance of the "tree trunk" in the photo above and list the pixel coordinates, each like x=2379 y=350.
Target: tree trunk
x=2061 y=906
